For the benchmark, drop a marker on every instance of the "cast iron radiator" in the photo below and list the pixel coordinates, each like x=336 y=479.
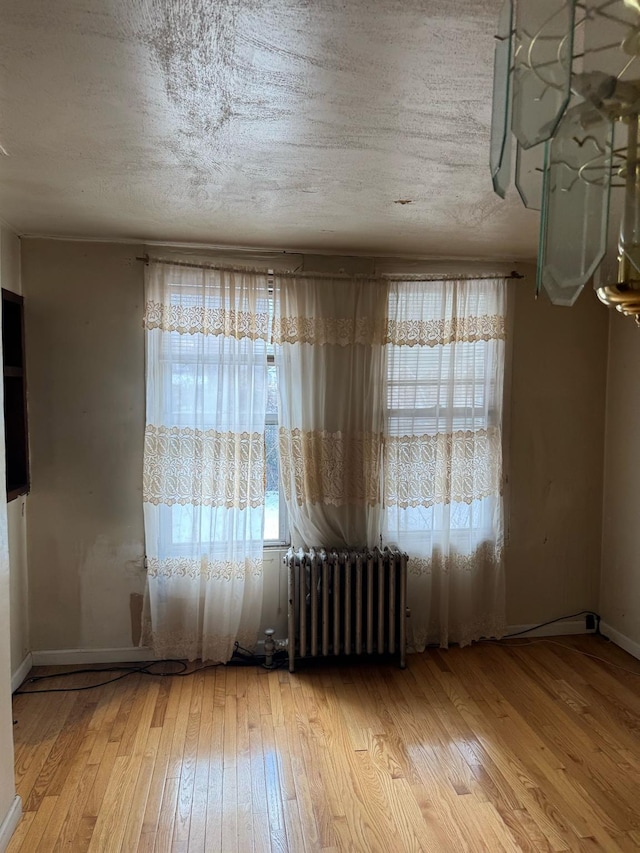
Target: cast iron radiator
x=347 y=602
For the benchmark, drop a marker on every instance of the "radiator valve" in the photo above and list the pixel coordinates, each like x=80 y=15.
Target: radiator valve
x=269 y=647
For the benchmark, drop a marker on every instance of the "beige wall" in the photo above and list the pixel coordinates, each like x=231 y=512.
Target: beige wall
x=20 y=637
x=556 y=442
x=7 y=785
x=86 y=396
x=620 y=585
x=10 y=279
x=86 y=385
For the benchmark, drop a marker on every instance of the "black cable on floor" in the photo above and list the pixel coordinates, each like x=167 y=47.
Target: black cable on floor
x=241 y=657
x=595 y=615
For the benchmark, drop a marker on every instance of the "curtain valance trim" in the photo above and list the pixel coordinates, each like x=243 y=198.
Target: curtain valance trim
x=344 y=331
x=200 y=320
x=337 y=331
x=431 y=333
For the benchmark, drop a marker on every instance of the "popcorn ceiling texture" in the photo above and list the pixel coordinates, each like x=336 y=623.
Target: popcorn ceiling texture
x=278 y=123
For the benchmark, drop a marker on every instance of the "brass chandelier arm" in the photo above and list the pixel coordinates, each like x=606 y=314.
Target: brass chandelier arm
x=626 y=301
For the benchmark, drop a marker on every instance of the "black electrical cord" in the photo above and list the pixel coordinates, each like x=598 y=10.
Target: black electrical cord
x=241 y=657
x=145 y=669
x=553 y=621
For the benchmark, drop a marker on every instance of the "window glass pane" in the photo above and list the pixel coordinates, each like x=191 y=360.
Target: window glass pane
x=272 y=390
x=440 y=384
x=194 y=371
x=272 y=495
x=430 y=386
x=205 y=525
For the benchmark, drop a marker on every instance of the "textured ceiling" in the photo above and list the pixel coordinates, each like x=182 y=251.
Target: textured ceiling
x=349 y=126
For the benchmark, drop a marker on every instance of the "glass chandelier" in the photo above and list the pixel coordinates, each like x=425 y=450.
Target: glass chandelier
x=567 y=87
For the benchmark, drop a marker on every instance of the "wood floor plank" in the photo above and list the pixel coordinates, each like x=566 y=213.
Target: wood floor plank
x=293 y=747
x=439 y=818
x=111 y=820
x=243 y=763
x=66 y=790
x=309 y=761
x=138 y=802
x=197 y=832
x=406 y=825
x=158 y=778
x=103 y=721
x=182 y=825
x=570 y=781
x=34 y=749
x=174 y=766
x=273 y=784
x=230 y=769
x=328 y=815
x=102 y=777
x=528 y=755
x=38 y=825
x=22 y=830
x=259 y=811
x=213 y=828
x=119 y=726
x=164 y=833
x=369 y=813
x=71 y=825
x=521 y=747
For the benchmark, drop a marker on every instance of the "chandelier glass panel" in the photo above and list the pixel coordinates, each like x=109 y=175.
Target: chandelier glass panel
x=567 y=94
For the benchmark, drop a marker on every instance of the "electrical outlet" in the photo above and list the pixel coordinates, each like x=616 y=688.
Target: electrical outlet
x=590 y=622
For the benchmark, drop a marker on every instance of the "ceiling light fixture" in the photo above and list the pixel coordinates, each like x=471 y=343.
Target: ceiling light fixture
x=567 y=87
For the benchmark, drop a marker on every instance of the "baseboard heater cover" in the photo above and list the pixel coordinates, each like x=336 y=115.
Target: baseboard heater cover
x=345 y=602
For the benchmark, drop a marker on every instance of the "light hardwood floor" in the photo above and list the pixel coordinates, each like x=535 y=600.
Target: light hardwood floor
x=490 y=748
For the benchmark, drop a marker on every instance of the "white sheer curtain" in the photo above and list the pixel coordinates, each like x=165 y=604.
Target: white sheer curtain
x=329 y=335
x=204 y=458
x=443 y=455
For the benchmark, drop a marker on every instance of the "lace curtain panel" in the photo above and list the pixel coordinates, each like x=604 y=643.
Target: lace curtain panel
x=204 y=458
x=390 y=424
x=329 y=345
x=443 y=455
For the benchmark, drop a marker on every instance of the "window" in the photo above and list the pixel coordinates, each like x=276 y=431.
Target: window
x=276 y=528
x=15 y=395
x=445 y=393
x=441 y=397
x=191 y=370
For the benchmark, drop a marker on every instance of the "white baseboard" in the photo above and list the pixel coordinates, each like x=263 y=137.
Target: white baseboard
x=133 y=654
x=621 y=640
x=21 y=672
x=11 y=820
x=556 y=629
x=56 y=657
